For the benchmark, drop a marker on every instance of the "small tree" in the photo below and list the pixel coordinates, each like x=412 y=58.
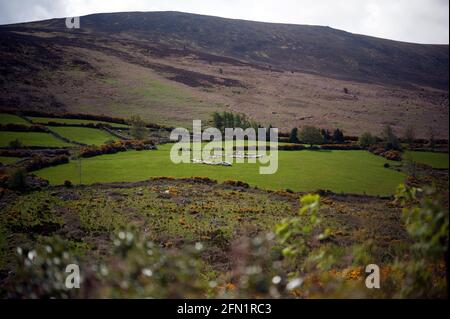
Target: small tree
x=293 y=138
x=15 y=144
x=391 y=139
x=268 y=131
x=410 y=135
x=327 y=138
x=338 y=136
x=366 y=140
x=431 y=139
x=218 y=121
x=17 y=179
x=138 y=129
x=311 y=135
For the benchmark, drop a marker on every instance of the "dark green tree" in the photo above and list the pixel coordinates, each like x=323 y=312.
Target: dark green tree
x=338 y=136
x=391 y=140
x=293 y=138
x=311 y=135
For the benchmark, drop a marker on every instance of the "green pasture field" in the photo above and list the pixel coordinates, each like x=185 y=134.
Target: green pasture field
x=85 y=135
x=32 y=139
x=12 y=119
x=435 y=160
x=358 y=172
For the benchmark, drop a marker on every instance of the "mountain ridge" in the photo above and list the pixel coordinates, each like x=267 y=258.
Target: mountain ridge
x=303 y=48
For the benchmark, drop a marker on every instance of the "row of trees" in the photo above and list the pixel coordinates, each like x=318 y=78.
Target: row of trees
x=315 y=136
x=391 y=141
x=230 y=120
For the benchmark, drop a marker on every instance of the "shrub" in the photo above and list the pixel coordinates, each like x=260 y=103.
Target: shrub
x=392 y=155
x=236 y=184
x=68 y=184
x=17 y=179
x=39 y=162
x=15 y=144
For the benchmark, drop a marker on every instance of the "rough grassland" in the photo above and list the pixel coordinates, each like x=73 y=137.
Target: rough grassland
x=12 y=119
x=32 y=139
x=88 y=136
x=356 y=172
x=45 y=120
x=176 y=212
x=435 y=160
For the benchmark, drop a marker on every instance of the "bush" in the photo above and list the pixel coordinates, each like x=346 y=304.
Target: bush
x=392 y=155
x=15 y=144
x=68 y=184
x=39 y=162
x=236 y=184
x=17 y=179
x=116 y=147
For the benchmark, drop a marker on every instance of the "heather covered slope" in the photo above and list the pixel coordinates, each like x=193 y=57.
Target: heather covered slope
x=316 y=49
x=173 y=67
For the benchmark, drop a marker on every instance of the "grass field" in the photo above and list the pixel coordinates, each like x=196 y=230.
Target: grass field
x=45 y=120
x=85 y=135
x=340 y=171
x=12 y=119
x=8 y=160
x=32 y=139
x=435 y=160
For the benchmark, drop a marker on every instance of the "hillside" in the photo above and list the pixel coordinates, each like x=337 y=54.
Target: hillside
x=172 y=67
